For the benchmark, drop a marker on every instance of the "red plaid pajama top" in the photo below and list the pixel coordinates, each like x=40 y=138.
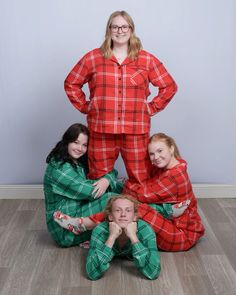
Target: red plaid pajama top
x=168 y=186
x=119 y=92
x=171 y=186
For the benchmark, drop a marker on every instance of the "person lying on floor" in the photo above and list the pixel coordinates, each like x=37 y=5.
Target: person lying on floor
x=122 y=234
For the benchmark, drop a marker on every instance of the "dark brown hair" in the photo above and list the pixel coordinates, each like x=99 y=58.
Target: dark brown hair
x=60 y=151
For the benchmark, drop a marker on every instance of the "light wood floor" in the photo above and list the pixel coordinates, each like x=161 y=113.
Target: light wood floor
x=31 y=264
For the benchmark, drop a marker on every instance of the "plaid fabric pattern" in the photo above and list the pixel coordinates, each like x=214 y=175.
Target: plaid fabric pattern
x=104 y=150
x=170 y=186
x=164 y=209
x=66 y=189
x=166 y=186
x=177 y=234
x=118 y=93
x=143 y=253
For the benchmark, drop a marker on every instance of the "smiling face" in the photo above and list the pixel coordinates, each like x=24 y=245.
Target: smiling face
x=161 y=155
x=78 y=148
x=117 y=35
x=123 y=212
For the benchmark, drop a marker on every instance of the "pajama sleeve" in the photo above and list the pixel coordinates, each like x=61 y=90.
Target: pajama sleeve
x=171 y=186
x=71 y=182
x=116 y=185
x=158 y=191
x=145 y=253
x=159 y=77
x=79 y=75
x=99 y=255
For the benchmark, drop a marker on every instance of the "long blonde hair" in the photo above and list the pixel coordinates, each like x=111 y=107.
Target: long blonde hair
x=134 y=42
x=169 y=141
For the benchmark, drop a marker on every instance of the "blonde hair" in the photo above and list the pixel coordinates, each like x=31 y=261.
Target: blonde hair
x=169 y=141
x=134 y=42
x=108 y=208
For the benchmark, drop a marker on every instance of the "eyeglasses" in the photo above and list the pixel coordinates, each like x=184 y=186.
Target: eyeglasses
x=115 y=29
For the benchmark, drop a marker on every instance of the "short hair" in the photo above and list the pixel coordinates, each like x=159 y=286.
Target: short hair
x=108 y=208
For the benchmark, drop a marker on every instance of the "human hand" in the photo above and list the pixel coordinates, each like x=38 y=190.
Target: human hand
x=100 y=187
x=115 y=230
x=131 y=231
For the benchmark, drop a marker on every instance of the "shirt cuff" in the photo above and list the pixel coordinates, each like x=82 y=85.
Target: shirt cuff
x=137 y=247
x=107 y=251
x=84 y=108
x=151 y=109
x=109 y=177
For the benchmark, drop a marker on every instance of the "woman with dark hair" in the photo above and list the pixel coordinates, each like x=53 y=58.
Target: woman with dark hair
x=67 y=189
x=119 y=74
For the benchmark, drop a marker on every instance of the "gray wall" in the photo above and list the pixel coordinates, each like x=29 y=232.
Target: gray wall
x=42 y=40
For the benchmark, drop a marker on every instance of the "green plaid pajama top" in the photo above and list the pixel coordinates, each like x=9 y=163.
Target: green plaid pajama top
x=67 y=189
x=143 y=253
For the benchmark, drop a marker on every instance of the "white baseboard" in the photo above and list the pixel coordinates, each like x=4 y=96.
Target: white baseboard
x=36 y=191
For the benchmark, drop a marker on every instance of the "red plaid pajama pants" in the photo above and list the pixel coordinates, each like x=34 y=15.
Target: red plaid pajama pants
x=170 y=237
x=104 y=149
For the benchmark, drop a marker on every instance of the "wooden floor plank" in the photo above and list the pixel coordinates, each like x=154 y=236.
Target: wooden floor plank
x=220 y=273
x=74 y=268
x=49 y=272
x=214 y=211
x=226 y=234
x=7 y=209
x=228 y=203
x=168 y=282
x=32 y=204
x=12 y=237
x=31 y=262
x=76 y=291
x=209 y=243
x=22 y=271
x=192 y=272
x=4 y=274
x=38 y=222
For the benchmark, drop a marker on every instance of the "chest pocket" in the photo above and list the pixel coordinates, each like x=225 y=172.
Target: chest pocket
x=138 y=77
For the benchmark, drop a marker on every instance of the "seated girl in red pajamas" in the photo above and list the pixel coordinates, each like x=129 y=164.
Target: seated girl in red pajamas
x=168 y=184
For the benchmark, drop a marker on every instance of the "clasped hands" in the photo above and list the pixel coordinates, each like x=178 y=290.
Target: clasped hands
x=130 y=231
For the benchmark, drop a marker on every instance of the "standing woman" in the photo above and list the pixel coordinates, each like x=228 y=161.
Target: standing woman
x=67 y=188
x=118 y=114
